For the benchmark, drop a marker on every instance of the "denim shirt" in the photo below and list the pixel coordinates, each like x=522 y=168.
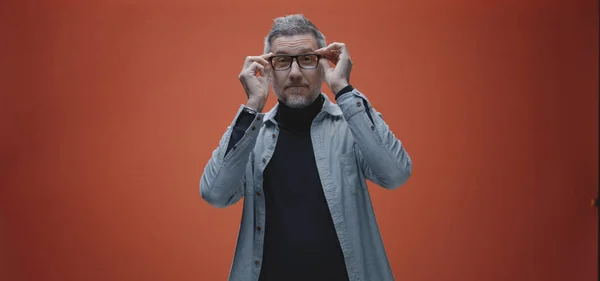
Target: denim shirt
x=349 y=147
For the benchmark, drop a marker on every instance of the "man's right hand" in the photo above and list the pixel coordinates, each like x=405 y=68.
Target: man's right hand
x=255 y=79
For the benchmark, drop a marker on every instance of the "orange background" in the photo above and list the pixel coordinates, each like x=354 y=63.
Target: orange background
x=111 y=109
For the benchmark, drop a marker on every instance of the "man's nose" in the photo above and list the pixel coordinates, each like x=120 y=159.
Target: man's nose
x=295 y=68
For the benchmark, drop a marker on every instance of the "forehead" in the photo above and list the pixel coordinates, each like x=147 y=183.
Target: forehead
x=295 y=44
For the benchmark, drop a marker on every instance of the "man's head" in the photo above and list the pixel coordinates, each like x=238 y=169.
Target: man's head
x=300 y=84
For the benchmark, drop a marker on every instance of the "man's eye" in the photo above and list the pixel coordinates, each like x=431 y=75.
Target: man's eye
x=281 y=60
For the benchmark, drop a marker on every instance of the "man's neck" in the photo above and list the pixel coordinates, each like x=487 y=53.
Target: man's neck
x=298 y=119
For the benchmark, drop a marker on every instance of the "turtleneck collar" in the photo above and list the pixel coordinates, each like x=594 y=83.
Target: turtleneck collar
x=298 y=119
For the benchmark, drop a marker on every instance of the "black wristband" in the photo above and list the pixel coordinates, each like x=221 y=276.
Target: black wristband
x=344 y=90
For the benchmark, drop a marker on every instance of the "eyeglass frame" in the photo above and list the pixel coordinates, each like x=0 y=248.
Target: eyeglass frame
x=294 y=57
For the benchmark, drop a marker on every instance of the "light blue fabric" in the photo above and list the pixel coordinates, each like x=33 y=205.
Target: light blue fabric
x=349 y=149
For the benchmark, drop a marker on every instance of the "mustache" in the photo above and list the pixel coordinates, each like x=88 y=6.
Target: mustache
x=296 y=85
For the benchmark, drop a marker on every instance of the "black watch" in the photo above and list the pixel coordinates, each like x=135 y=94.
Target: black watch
x=250 y=110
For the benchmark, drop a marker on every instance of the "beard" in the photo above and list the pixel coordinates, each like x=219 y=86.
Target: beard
x=298 y=97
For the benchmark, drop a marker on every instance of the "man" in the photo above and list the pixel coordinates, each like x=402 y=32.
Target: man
x=302 y=167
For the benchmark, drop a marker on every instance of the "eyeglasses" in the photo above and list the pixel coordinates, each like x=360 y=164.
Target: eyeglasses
x=284 y=62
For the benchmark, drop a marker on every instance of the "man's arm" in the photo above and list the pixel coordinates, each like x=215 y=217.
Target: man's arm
x=222 y=183
x=380 y=154
x=223 y=180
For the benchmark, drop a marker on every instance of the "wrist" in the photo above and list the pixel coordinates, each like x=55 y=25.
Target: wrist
x=335 y=88
x=255 y=105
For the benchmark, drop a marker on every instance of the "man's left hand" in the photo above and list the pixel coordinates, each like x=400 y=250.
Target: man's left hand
x=337 y=77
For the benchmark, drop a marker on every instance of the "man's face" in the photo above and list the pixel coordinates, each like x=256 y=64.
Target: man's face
x=296 y=87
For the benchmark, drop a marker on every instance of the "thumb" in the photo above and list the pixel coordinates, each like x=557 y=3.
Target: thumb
x=325 y=64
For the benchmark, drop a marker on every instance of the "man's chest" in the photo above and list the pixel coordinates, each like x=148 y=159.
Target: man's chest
x=292 y=170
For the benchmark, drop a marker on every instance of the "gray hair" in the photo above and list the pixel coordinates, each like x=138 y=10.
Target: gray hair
x=291 y=25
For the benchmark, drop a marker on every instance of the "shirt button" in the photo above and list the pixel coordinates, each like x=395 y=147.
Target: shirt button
x=273 y=135
x=257 y=193
x=258 y=228
x=358 y=104
x=258 y=118
x=373 y=128
x=264 y=160
x=256 y=262
x=253 y=128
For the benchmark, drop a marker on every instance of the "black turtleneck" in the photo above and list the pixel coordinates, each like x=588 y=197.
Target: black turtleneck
x=300 y=241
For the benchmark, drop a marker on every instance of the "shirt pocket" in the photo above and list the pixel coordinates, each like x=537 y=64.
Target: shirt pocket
x=350 y=172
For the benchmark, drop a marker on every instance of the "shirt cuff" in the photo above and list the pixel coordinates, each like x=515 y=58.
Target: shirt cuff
x=242 y=124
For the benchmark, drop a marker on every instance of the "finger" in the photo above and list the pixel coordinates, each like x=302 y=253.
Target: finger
x=256 y=59
x=267 y=56
x=259 y=59
x=334 y=47
x=267 y=67
x=332 y=52
x=320 y=50
x=263 y=71
x=325 y=64
x=323 y=51
x=331 y=56
x=344 y=61
x=255 y=68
